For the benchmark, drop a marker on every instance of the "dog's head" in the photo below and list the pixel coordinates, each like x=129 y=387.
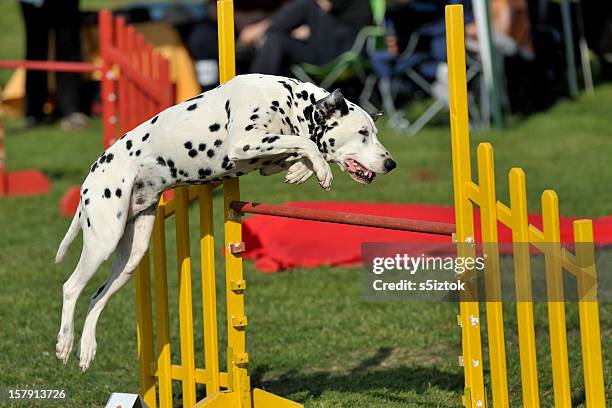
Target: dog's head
x=347 y=135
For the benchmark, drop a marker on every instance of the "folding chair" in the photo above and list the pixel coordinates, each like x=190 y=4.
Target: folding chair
x=418 y=67
x=349 y=64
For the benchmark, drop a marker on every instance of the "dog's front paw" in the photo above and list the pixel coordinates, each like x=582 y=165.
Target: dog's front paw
x=298 y=173
x=87 y=351
x=324 y=174
x=64 y=345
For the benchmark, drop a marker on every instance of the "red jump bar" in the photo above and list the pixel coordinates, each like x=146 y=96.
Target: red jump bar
x=61 y=66
x=365 y=220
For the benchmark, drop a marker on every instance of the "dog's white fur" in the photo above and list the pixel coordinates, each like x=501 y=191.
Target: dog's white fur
x=253 y=122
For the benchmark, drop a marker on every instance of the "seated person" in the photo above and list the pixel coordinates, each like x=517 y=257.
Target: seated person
x=310 y=31
x=202 y=41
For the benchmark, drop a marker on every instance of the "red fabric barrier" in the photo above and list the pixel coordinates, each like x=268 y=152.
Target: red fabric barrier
x=282 y=243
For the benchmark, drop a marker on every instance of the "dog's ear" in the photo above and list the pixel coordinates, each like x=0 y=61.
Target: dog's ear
x=332 y=104
x=376 y=115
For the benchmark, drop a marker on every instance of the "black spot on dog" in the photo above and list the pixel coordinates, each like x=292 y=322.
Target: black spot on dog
x=173 y=172
x=281 y=110
x=161 y=161
x=154 y=119
x=195 y=97
x=202 y=147
x=275 y=103
x=140 y=200
x=264 y=140
x=332 y=141
x=246 y=148
x=193 y=153
x=203 y=173
x=256 y=110
x=79 y=214
x=119 y=214
x=188 y=145
x=249 y=127
x=269 y=148
x=128 y=144
x=228 y=111
x=364 y=132
x=139 y=185
x=273 y=139
x=102 y=159
x=137 y=153
x=253 y=117
x=85 y=191
x=274 y=108
x=88 y=223
x=87 y=201
x=192 y=107
x=210 y=153
x=218 y=142
x=304 y=95
x=214 y=127
x=145 y=137
x=107 y=193
x=170 y=163
x=364 y=140
x=118 y=192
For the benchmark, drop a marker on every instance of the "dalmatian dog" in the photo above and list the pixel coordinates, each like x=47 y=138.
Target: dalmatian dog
x=253 y=122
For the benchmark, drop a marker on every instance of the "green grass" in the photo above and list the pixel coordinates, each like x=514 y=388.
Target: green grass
x=311 y=336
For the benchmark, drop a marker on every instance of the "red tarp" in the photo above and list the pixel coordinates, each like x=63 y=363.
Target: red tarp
x=283 y=243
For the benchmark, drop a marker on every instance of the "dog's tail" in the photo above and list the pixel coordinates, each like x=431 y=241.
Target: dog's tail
x=73 y=230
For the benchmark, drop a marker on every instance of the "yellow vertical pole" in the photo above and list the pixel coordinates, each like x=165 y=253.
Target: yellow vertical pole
x=556 y=303
x=236 y=318
x=464 y=217
x=588 y=308
x=209 y=295
x=490 y=249
x=144 y=328
x=160 y=278
x=524 y=304
x=185 y=296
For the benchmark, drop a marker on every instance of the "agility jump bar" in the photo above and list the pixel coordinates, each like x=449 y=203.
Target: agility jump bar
x=337 y=217
x=61 y=66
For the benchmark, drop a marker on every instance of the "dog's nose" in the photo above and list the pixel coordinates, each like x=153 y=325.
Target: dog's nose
x=389 y=164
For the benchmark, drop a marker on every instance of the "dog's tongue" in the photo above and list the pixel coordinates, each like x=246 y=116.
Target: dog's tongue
x=353 y=166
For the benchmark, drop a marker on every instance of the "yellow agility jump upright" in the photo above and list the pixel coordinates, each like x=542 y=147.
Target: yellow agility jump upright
x=581 y=266
x=223 y=389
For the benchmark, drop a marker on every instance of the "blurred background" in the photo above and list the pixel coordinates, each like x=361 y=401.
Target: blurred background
x=539 y=91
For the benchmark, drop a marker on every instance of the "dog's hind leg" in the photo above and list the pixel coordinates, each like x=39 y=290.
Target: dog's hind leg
x=91 y=259
x=130 y=251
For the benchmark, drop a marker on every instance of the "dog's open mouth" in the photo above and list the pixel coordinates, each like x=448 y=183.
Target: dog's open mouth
x=358 y=172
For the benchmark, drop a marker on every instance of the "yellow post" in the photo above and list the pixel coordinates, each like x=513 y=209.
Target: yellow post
x=185 y=297
x=144 y=328
x=524 y=305
x=464 y=217
x=164 y=364
x=490 y=250
x=556 y=303
x=236 y=318
x=209 y=295
x=589 y=315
